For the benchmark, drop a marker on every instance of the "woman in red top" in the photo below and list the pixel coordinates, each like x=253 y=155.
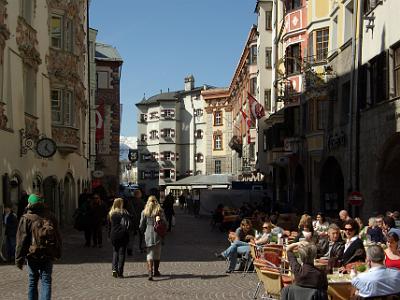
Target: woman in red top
x=392 y=255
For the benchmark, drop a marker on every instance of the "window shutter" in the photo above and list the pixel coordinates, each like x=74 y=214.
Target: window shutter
x=177 y=156
x=172 y=156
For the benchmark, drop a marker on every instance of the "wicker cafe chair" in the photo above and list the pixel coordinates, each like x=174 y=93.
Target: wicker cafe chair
x=267 y=264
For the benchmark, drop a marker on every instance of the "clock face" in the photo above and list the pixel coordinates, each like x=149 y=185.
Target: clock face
x=46 y=147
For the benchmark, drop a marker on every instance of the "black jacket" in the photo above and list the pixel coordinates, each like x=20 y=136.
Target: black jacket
x=355 y=252
x=307 y=275
x=118 y=235
x=336 y=251
x=11 y=225
x=295 y=292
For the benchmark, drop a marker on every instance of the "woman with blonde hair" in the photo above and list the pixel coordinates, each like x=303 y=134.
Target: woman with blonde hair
x=119 y=220
x=151 y=214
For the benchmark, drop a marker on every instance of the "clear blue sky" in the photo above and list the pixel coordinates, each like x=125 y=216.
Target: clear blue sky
x=162 y=41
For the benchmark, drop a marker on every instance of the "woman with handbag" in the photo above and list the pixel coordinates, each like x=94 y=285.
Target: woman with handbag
x=152 y=220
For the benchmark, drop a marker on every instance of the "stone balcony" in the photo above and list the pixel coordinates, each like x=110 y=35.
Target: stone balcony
x=67 y=139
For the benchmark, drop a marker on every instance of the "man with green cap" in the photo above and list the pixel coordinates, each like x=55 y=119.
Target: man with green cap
x=38 y=243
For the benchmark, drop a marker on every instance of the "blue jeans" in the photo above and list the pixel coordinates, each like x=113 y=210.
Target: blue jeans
x=237 y=247
x=38 y=269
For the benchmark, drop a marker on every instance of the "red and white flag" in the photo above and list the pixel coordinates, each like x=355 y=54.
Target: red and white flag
x=256 y=109
x=248 y=122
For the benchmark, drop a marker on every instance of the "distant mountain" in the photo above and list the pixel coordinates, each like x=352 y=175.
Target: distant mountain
x=126 y=143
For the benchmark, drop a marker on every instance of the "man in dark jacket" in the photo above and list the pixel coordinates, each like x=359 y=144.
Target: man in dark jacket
x=39 y=260
x=333 y=247
x=168 y=206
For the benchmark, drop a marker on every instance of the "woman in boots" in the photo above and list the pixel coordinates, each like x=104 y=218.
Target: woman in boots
x=152 y=212
x=119 y=235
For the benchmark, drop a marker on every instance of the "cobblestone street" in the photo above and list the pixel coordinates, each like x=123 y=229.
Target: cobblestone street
x=188 y=266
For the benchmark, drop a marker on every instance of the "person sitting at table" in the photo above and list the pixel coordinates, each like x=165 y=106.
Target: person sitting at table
x=374 y=232
x=266 y=235
x=333 y=247
x=389 y=226
x=378 y=280
x=320 y=225
x=307 y=233
x=239 y=245
x=392 y=255
x=306 y=274
x=354 y=247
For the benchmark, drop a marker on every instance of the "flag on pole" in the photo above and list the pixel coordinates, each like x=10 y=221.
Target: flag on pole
x=256 y=109
x=248 y=122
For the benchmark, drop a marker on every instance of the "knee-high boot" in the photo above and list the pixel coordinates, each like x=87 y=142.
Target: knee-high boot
x=150 y=269
x=156 y=266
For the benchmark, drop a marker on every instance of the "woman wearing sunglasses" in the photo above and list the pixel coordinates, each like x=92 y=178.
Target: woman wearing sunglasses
x=353 y=248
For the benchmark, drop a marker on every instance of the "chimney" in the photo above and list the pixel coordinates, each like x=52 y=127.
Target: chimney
x=189 y=83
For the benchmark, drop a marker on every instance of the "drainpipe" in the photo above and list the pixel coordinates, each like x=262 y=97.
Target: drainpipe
x=356 y=54
x=357 y=116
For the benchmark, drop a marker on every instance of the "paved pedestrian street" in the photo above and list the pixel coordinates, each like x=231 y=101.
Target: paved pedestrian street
x=188 y=267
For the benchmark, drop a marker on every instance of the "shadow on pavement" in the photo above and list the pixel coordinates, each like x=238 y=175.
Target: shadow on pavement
x=191 y=240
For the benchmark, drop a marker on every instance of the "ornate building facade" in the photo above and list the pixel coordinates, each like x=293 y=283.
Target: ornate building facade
x=172 y=137
x=44 y=95
x=108 y=118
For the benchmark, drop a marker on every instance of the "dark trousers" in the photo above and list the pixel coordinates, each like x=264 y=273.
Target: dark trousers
x=169 y=220
x=88 y=236
x=118 y=260
x=10 y=245
x=97 y=234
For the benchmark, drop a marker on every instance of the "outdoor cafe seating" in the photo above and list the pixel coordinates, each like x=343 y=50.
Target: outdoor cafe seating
x=273 y=273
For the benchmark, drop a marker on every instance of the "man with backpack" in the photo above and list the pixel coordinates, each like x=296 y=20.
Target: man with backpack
x=38 y=243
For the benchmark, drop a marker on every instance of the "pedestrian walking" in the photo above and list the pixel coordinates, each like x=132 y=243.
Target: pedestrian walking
x=182 y=201
x=97 y=216
x=120 y=223
x=11 y=225
x=138 y=205
x=128 y=205
x=38 y=243
x=151 y=214
x=168 y=206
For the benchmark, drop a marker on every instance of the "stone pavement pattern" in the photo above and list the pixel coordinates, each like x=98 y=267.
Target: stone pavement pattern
x=188 y=267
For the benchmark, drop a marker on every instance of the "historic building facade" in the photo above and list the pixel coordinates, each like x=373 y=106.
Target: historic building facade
x=244 y=82
x=171 y=136
x=264 y=10
x=218 y=133
x=43 y=57
x=108 y=119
